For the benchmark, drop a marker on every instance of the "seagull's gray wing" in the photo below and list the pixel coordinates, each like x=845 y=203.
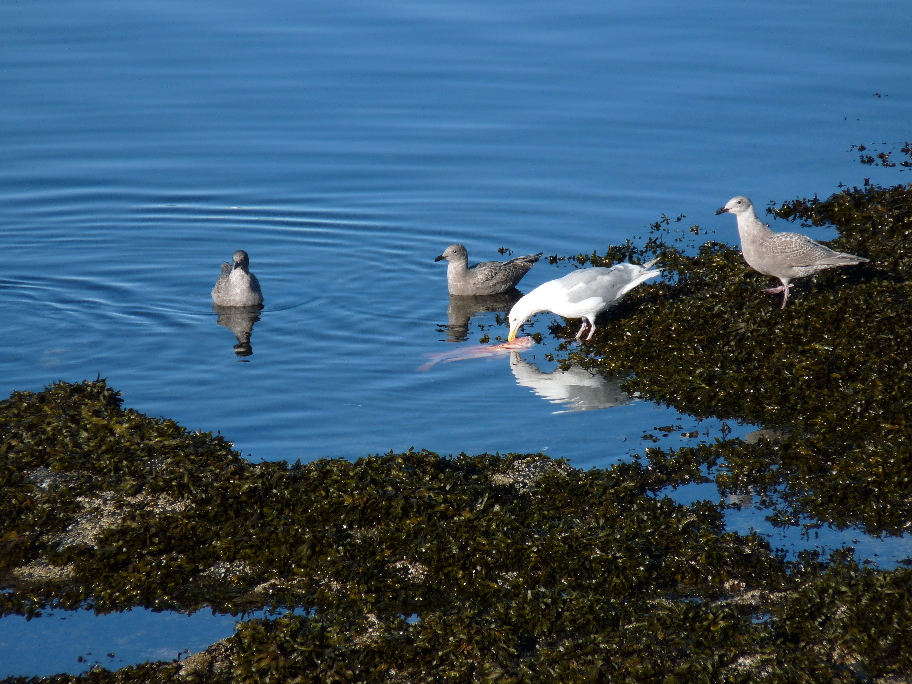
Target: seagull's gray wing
x=497 y=274
x=603 y=283
x=796 y=250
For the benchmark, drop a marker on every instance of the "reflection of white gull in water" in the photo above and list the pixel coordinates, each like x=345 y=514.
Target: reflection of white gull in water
x=582 y=294
x=239 y=320
x=781 y=255
x=575 y=387
x=237 y=286
x=486 y=278
x=461 y=309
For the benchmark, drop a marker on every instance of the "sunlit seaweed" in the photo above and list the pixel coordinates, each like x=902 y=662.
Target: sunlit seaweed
x=833 y=375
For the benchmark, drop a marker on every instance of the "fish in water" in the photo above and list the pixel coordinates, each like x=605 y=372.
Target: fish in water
x=477 y=351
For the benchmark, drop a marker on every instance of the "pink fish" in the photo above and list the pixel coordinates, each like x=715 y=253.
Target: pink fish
x=476 y=351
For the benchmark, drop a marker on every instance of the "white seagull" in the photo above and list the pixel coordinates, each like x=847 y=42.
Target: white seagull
x=781 y=255
x=582 y=294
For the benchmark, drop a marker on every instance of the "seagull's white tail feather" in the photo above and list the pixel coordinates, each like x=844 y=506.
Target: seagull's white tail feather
x=649 y=264
x=642 y=277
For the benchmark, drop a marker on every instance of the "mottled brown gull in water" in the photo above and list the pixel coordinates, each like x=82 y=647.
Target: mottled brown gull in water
x=582 y=294
x=486 y=278
x=781 y=255
x=237 y=286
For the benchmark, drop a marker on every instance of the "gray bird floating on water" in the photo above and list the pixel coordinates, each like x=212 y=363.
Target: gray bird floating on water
x=237 y=286
x=582 y=294
x=781 y=255
x=486 y=278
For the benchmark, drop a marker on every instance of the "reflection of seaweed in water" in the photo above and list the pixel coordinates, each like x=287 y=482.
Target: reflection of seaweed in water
x=239 y=320
x=576 y=387
x=461 y=309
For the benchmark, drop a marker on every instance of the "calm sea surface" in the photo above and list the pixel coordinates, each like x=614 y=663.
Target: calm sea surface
x=344 y=145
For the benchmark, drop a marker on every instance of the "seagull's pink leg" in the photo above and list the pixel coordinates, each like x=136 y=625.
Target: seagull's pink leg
x=582 y=328
x=784 y=289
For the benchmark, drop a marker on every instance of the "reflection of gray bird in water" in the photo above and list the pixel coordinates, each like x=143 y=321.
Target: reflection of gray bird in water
x=781 y=255
x=582 y=294
x=237 y=286
x=576 y=386
x=239 y=320
x=461 y=309
x=486 y=278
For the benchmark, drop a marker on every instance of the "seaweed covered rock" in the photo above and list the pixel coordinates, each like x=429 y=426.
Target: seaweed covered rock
x=414 y=567
x=875 y=219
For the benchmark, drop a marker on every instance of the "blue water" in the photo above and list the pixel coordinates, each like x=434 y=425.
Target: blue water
x=344 y=145
x=71 y=641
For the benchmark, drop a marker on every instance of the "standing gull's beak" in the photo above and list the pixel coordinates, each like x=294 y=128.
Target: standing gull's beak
x=723 y=210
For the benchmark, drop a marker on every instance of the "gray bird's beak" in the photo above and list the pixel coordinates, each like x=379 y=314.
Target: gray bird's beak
x=723 y=210
x=440 y=258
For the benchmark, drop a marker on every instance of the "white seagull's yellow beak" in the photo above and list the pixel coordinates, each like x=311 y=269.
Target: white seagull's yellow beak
x=512 y=335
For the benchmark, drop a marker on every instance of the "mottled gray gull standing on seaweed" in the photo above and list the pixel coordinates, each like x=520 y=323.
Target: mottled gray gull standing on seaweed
x=781 y=255
x=582 y=294
x=486 y=278
x=237 y=286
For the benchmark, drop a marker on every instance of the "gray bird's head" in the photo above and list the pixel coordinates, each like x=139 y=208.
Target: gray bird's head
x=737 y=206
x=241 y=260
x=454 y=253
